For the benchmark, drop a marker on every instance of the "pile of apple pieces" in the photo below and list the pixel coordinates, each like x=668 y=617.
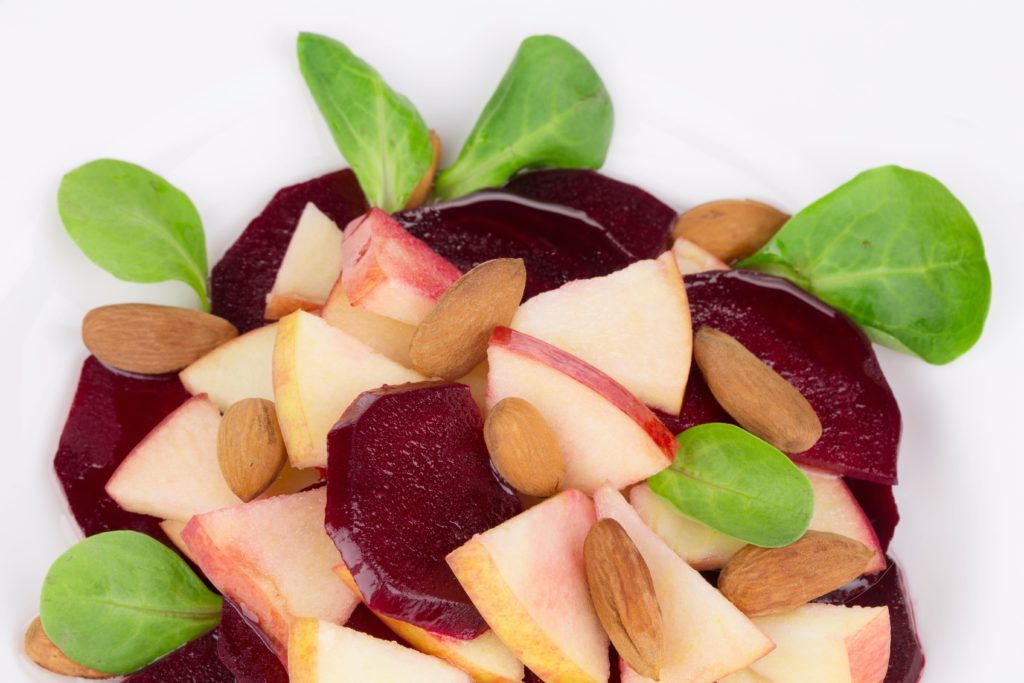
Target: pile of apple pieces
x=590 y=357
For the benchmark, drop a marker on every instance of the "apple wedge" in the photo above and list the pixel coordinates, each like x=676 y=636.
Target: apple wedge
x=605 y=433
x=633 y=325
x=173 y=473
x=834 y=643
x=485 y=658
x=835 y=510
x=527 y=578
x=385 y=335
x=311 y=264
x=322 y=652
x=692 y=258
x=173 y=529
x=745 y=676
x=237 y=369
x=274 y=559
x=388 y=271
x=318 y=371
x=705 y=636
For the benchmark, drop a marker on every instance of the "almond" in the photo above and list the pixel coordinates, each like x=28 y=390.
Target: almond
x=524 y=448
x=757 y=397
x=422 y=189
x=41 y=650
x=250 y=447
x=731 y=229
x=452 y=339
x=763 y=581
x=622 y=590
x=152 y=340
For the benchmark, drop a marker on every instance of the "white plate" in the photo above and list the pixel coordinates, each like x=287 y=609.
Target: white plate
x=229 y=121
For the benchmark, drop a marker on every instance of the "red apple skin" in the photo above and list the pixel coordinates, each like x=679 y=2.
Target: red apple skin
x=591 y=377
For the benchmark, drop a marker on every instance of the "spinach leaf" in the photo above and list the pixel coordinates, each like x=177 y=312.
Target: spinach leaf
x=378 y=131
x=898 y=253
x=735 y=483
x=550 y=110
x=119 y=600
x=134 y=224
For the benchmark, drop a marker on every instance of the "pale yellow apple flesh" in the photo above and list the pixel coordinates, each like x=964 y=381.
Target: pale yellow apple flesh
x=692 y=258
x=240 y=368
x=310 y=266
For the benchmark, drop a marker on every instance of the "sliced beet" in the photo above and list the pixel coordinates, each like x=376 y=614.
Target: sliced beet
x=879 y=505
x=408 y=481
x=110 y=413
x=365 y=621
x=195 y=662
x=820 y=351
x=906 y=659
x=566 y=225
x=244 y=651
x=239 y=283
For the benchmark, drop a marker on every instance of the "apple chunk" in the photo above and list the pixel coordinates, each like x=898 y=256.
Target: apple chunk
x=322 y=652
x=274 y=559
x=527 y=578
x=386 y=335
x=311 y=264
x=705 y=636
x=835 y=510
x=173 y=473
x=605 y=433
x=237 y=369
x=388 y=271
x=834 y=643
x=633 y=325
x=692 y=258
x=318 y=371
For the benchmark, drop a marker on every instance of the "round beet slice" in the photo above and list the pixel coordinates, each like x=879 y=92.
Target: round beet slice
x=820 y=351
x=408 y=481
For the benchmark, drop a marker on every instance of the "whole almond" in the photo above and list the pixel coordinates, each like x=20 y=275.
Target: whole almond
x=452 y=339
x=763 y=581
x=622 y=590
x=422 y=189
x=41 y=650
x=152 y=340
x=730 y=229
x=250 y=447
x=757 y=397
x=524 y=448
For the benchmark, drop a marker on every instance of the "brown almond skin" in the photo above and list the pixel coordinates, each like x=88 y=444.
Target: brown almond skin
x=731 y=229
x=757 y=397
x=762 y=581
x=41 y=650
x=422 y=190
x=152 y=340
x=622 y=590
x=524 y=448
x=250 y=447
x=452 y=339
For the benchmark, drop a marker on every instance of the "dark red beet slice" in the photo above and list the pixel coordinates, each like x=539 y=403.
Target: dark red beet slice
x=244 y=652
x=365 y=621
x=241 y=280
x=196 y=662
x=906 y=660
x=110 y=413
x=820 y=351
x=879 y=505
x=408 y=481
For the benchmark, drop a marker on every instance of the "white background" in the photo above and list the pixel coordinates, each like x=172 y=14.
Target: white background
x=777 y=100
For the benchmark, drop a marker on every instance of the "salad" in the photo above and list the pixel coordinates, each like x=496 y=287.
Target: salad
x=508 y=421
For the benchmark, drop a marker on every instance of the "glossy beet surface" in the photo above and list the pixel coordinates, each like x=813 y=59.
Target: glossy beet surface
x=240 y=282
x=196 y=662
x=820 y=351
x=244 y=652
x=906 y=659
x=365 y=621
x=879 y=505
x=566 y=225
x=110 y=413
x=408 y=481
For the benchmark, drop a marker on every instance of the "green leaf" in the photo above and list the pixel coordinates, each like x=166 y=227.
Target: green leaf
x=737 y=484
x=898 y=253
x=378 y=131
x=550 y=110
x=134 y=224
x=119 y=600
